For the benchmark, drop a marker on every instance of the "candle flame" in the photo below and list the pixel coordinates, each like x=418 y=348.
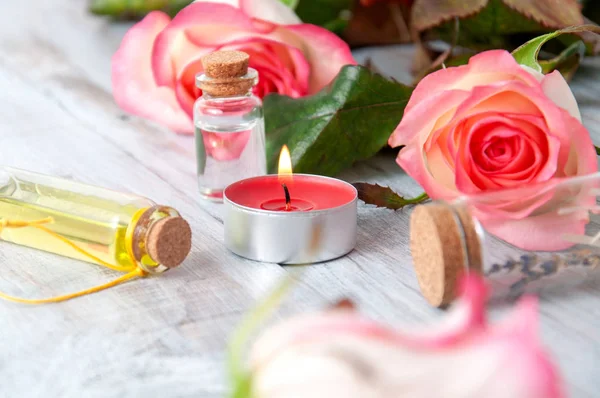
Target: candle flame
x=285 y=165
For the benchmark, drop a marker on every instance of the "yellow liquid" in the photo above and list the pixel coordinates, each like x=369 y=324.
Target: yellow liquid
x=96 y=221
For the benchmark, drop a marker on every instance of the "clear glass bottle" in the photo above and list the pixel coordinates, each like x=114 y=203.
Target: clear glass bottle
x=541 y=239
x=229 y=124
x=120 y=229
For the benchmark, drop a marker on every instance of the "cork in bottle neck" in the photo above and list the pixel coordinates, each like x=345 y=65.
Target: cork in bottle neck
x=445 y=242
x=163 y=235
x=226 y=74
x=169 y=241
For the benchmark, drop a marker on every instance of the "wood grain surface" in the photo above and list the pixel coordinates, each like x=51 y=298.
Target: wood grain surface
x=166 y=336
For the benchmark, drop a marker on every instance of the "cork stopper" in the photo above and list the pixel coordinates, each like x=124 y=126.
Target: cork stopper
x=226 y=74
x=169 y=241
x=225 y=64
x=444 y=243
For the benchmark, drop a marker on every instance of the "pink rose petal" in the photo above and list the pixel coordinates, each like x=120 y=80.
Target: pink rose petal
x=557 y=89
x=198 y=26
x=483 y=69
x=284 y=59
x=340 y=352
x=270 y=10
x=324 y=51
x=134 y=87
x=416 y=126
x=582 y=157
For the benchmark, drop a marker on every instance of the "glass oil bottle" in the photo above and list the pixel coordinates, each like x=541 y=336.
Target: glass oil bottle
x=229 y=124
x=538 y=239
x=118 y=230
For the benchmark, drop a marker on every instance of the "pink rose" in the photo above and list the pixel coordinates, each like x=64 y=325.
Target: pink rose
x=491 y=125
x=339 y=353
x=154 y=70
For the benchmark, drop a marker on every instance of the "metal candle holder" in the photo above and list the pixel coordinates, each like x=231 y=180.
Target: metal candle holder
x=291 y=237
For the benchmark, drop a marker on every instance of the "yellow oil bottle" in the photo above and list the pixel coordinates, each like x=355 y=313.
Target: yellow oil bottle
x=118 y=230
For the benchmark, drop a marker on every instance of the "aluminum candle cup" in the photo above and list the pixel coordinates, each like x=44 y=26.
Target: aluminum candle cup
x=319 y=223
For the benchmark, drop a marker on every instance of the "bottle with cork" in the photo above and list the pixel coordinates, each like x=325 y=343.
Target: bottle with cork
x=229 y=123
x=118 y=230
x=538 y=239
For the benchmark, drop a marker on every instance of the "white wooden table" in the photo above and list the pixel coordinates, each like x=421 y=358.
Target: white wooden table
x=166 y=337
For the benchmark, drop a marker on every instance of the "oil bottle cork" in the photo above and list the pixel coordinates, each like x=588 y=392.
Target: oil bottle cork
x=226 y=74
x=169 y=241
x=163 y=235
x=226 y=64
x=445 y=243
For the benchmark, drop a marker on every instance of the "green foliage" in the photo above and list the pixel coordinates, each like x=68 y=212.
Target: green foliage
x=528 y=53
x=290 y=3
x=379 y=196
x=567 y=61
x=490 y=27
x=331 y=14
x=491 y=24
x=347 y=121
x=493 y=17
x=136 y=9
x=241 y=379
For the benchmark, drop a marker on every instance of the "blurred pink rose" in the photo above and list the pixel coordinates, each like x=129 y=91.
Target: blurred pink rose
x=341 y=354
x=154 y=70
x=494 y=124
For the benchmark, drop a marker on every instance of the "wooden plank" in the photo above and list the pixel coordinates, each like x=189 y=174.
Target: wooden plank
x=167 y=336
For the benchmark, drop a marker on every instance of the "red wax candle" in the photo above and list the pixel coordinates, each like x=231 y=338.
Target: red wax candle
x=290 y=218
x=320 y=225
x=307 y=193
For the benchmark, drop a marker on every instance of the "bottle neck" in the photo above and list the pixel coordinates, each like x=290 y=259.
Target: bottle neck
x=208 y=97
x=138 y=238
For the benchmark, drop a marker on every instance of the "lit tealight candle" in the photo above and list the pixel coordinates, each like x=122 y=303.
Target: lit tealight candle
x=286 y=180
x=290 y=218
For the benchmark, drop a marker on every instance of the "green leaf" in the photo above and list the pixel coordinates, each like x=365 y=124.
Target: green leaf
x=551 y=14
x=490 y=27
x=349 y=120
x=498 y=15
x=428 y=14
x=331 y=14
x=290 y=3
x=240 y=378
x=487 y=24
x=591 y=40
x=379 y=196
x=135 y=9
x=528 y=53
x=242 y=387
x=567 y=61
